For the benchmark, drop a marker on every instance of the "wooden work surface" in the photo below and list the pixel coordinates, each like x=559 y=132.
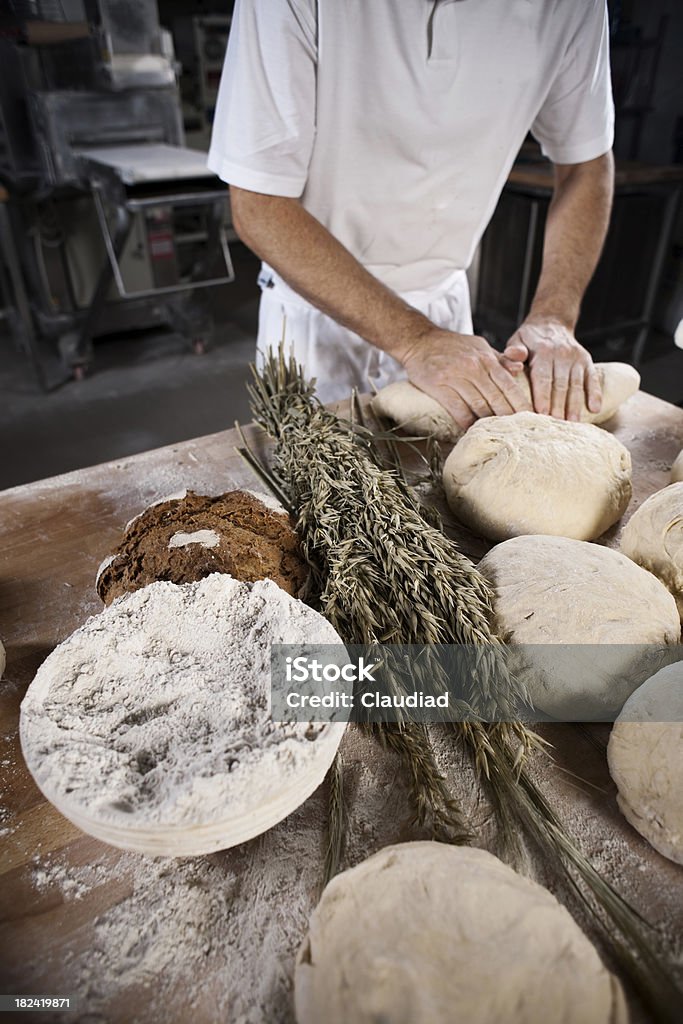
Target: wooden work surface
x=53 y=536
x=626 y=173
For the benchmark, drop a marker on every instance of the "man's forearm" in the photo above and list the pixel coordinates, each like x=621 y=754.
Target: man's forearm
x=462 y=372
x=318 y=267
x=574 y=234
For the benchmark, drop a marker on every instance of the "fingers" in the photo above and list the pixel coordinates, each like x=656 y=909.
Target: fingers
x=456 y=407
x=561 y=388
x=558 y=403
x=515 y=397
x=469 y=400
x=541 y=378
x=593 y=389
x=515 y=350
x=575 y=395
x=511 y=366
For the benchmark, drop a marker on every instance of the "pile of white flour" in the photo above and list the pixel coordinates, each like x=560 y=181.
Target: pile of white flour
x=156 y=711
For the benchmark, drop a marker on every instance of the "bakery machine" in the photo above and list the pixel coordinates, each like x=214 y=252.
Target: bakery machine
x=109 y=222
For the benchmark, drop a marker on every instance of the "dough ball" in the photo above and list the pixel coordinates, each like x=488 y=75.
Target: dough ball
x=645 y=755
x=185 y=539
x=653 y=537
x=415 y=412
x=427 y=932
x=526 y=473
x=3 y=658
x=551 y=590
x=150 y=726
x=418 y=413
x=677 y=469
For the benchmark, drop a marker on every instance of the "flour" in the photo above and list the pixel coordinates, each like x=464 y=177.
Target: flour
x=214 y=938
x=207 y=539
x=176 y=496
x=155 y=714
x=268 y=500
x=210 y=938
x=102 y=566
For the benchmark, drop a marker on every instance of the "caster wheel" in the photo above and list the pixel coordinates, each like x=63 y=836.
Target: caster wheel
x=198 y=346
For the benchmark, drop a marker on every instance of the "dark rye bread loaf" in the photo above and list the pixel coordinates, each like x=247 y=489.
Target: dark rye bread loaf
x=182 y=540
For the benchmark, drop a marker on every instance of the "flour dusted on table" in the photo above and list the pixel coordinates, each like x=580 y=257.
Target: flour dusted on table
x=150 y=726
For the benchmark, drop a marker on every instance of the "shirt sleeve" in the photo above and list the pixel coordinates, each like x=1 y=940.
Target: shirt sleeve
x=264 y=123
x=576 y=121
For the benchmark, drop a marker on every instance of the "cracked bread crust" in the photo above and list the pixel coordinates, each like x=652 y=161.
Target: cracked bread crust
x=233 y=533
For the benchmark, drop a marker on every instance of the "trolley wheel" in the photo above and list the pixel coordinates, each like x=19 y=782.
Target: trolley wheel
x=199 y=346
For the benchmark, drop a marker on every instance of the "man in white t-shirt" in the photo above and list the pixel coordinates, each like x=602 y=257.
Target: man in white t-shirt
x=366 y=143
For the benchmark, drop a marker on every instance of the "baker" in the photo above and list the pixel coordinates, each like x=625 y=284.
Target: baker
x=366 y=143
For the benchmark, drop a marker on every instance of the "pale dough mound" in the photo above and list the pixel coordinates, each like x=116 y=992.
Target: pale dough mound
x=645 y=754
x=418 y=413
x=150 y=726
x=677 y=469
x=427 y=933
x=653 y=537
x=512 y=475
x=551 y=590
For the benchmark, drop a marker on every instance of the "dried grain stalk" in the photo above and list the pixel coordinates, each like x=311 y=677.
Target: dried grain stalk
x=434 y=806
x=381 y=573
x=336 y=818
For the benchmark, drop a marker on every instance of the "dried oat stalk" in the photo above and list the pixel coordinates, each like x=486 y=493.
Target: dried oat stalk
x=336 y=820
x=434 y=806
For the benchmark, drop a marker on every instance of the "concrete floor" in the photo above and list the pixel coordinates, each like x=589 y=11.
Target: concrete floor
x=148 y=390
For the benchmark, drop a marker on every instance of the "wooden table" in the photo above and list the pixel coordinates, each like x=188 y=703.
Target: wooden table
x=53 y=535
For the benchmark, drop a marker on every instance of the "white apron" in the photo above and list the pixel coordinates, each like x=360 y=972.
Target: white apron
x=338 y=358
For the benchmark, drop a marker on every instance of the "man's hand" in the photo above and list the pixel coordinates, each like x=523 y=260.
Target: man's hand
x=561 y=371
x=465 y=375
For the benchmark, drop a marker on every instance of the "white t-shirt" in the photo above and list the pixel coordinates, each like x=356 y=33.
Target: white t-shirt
x=397 y=121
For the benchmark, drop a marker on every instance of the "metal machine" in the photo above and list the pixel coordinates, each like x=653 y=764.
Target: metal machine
x=211 y=40
x=111 y=222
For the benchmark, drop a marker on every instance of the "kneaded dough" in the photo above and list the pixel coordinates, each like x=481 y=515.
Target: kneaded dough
x=677 y=469
x=551 y=590
x=526 y=473
x=645 y=755
x=427 y=933
x=653 y=537
x=418 y=413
